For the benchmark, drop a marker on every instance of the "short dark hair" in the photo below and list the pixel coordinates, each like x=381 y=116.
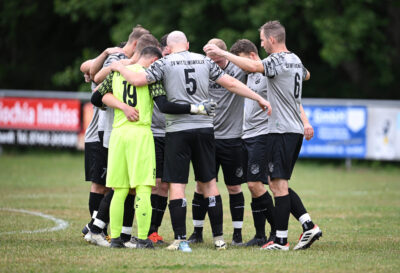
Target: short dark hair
x=137 y=32
x=151 y=51
x=145 y=41
x=163 y=41
x=274 y=29
x=122 y=44
x=243 y=46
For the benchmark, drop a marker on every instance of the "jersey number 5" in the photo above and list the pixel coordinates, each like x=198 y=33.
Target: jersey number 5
x=191 y=84
x=129 y=98
x=296 y=85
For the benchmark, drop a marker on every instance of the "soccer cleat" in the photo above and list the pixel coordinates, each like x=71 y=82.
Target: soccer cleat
x=195 y=238
x=274 y=246
x=132 y=243
x=237 y=240
x=219 y=243
x=156 y=238
x=97 y=239
x=180 y=245
x=85 y=230
x=257 y=241
x=144 y=243
x=308 y=237
x=117 y=243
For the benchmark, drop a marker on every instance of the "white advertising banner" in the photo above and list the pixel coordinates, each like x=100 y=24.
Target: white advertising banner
x=383 y=133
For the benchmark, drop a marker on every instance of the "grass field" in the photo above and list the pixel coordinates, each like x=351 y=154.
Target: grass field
x=358 y=211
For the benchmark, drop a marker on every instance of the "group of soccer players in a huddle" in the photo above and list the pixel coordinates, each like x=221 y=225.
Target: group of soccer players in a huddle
x=158 y=107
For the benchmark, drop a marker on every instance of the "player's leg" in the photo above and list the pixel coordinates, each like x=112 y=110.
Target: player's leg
x=176 y=173
x=203 y=160
x=199 y=211
x=159 y=198
x=143 y=216
x=129 y=213
x=256 y=173
x=311 y=232
x=159 y=194
x=117 y=215
x=231 y=156
x=95 y=171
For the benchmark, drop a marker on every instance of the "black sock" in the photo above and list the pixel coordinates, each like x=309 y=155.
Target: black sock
x=269 y=213
x=104 y=212
x=297 y=209
x=158 y=212
x=215 y=214
x=282 y=212
x=177 y=209
x=94 y=202
x=161 y=206
x=199 y=211
x=129 y=213
x=257 y=209
x=154 y=201
x=236 y=203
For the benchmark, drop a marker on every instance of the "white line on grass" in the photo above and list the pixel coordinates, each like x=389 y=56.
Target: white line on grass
x=60 y=224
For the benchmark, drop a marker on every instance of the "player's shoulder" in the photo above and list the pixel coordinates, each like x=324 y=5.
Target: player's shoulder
x=135 y=67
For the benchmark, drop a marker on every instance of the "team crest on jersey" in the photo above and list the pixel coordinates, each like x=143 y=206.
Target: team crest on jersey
x=271 y=167
x=239 y=172
x=255 y=169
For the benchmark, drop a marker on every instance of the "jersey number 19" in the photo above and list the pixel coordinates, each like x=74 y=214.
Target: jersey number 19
x=128 y=97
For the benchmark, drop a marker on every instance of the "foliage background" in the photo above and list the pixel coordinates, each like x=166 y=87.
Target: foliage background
x=352 y=48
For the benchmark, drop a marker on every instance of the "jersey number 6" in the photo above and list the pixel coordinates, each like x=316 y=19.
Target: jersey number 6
x=191 y=89
x=128 y=97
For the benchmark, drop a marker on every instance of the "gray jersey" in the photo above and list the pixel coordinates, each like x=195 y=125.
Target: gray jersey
x=91 y=134
x=285 y=74
x=107 y=116
x=158 y=122
x=185 y=76
x=255 y=119
x=228 y=120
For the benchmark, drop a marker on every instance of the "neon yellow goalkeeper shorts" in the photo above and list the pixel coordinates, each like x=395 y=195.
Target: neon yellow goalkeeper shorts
x=131 y=157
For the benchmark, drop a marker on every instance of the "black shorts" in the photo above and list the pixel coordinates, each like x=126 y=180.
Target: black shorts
x=283 y=151
x=96 y=162
x=197 y=145
x=159 y=143
x=256 y=149
x=229 y=155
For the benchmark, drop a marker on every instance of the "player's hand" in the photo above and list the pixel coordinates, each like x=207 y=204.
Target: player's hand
x=308 y=131
x=213 y=50
x=131 y=113
x=87 y=77
x=265 y=105
x=206 y=107
x=113 y=50
x=117 y=66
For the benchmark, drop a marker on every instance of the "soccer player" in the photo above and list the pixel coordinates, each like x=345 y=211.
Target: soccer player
x=95 y=154
x=131 y=162
x=285 y=73
x=255 y=129
x=186 y=77
x=102 y=218
x=159 y=194
x=228 y=122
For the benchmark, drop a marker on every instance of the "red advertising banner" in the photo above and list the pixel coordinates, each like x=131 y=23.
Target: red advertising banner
x=40 y=114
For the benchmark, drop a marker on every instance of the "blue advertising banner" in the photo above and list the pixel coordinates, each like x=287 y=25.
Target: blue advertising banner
x=339 y=132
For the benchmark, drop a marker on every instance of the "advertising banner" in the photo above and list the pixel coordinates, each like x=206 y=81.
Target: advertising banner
x=383 y=133
x=339 y=132
x=40 y=121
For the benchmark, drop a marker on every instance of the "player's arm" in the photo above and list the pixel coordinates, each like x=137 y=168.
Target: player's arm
x=85 y=66
x=98 y=62
x=241 y=89
x=134 y=78
x=246 y=64
x=158 y=93
x=308 y=129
